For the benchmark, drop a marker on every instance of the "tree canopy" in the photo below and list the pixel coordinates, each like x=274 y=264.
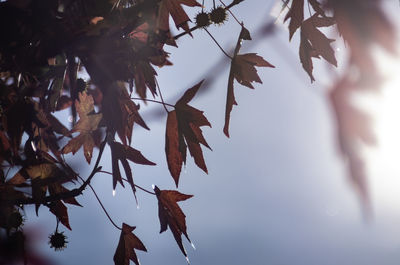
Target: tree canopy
x=98 y=61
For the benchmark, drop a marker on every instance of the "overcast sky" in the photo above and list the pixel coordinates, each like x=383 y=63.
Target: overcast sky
x=276 y=192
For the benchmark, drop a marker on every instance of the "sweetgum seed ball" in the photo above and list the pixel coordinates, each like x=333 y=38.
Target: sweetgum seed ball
x=58 y=241
x=202 y=19
x=218 y=15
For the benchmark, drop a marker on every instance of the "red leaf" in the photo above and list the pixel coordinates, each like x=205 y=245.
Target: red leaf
x=175 y=157
x=174 y=8
x=144 y=75
x=123 y=153
x=317 y=7
x=120 y=112
x=183 y=131
x=61 y=212
x=313 y=43
x=171 y=215
x=319 y=42
x=244 y=71
x=57 y=188
x=127 y=244
x=296 y=15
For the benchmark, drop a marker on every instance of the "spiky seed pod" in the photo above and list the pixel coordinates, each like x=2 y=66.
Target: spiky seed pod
x=218 y=15
x=15 y=220
x=58 y=241
x=202 y=19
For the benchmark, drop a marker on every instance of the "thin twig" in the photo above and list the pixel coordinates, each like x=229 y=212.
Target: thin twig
x=95 y=168
x=230 y=12
x=152 y=100
x=186 y=32
x=61 y=195
x=161 y=96
x=124 y=179
x=197 y=27
x=309 y=8
x=101 y=204
x=216 y=42
x=104 y=209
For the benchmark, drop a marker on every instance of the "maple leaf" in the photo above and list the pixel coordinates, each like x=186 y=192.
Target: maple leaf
x=370 y=26
x=5 y=148
x=60 y=211
x=127 y=244
x=123 y=153
x=171 y=215
x=313 y=43
x=353 y=126
x=19 y=117
x=173 y=7
x=57 y=188
x=296 y=15
x=42 y=176
x=87 y=124
x=144 y=75
x=317 y=7
x=120 y=112
x=244 y=71
x=182 y=132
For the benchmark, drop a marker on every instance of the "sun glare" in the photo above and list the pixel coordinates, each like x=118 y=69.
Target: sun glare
x=384 y=160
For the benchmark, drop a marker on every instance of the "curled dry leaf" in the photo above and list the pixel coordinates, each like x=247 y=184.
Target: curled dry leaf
x=127 y=244
x=171 y=215
x=182 y=132
x=87 y=124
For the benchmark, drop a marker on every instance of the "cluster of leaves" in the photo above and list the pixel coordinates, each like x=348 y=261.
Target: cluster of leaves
x=369 y=29
x=120 y=44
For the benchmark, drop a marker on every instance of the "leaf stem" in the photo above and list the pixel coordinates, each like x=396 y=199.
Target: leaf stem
x=230 y=12
x=62 y=195
x=152 y=100
x=216 y=42
x=234 y=2
x=104 y=209
x=101 y=204
x=124 y=179
x=96 y=167
x=186 y=32
x=161 y=96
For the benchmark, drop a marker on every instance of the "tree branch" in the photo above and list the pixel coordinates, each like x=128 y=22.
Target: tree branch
x=62 y=195
x=234 y=2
